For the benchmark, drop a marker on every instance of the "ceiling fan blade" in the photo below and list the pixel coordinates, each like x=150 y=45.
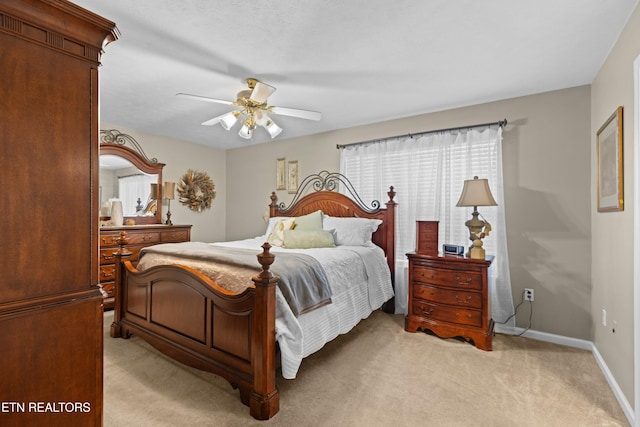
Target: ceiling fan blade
x=261 y=92
x=207 y=99
x=295 y=112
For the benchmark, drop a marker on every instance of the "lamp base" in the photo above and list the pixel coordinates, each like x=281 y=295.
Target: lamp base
x=168 y=221
x=477 y=252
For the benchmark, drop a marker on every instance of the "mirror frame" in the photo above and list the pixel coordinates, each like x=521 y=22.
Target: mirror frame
x=112 y=142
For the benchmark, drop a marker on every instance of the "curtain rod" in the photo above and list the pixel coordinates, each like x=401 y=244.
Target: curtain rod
x=501 y=123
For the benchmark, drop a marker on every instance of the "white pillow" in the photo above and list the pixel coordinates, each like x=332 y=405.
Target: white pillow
x=351 y=231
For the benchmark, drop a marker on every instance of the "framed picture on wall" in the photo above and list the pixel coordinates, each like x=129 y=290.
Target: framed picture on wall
x=281 y=174
x=293 y=176
x=610 y=172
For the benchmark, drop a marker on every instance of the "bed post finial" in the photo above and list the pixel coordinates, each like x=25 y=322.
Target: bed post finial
x=265 y=259
x=264 y=402
x=273 y=206
x=391 y=193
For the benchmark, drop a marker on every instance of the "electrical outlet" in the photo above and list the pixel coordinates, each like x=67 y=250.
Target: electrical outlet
x=528 y=294
x=604 y=317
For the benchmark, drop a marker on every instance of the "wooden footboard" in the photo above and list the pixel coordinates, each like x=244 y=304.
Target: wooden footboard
x=190 y=318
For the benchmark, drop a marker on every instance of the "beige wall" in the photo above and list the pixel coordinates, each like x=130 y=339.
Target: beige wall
x=612 y=232
x=547 y=190
x=179 y=156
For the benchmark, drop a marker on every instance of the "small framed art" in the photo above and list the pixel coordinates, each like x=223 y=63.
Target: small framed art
x=293 y=176
x=281 y=174
x=610 y=170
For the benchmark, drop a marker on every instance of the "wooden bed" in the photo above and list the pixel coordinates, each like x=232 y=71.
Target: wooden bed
x=188 y=317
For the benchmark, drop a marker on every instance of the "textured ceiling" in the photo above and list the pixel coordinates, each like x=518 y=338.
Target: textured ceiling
x=356 y=61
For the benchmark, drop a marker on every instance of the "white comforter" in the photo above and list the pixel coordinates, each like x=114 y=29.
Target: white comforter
x=360 y=282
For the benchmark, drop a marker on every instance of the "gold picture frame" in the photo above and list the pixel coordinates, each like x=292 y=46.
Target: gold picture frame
x=281 y=174
x=610 y=166
x=292 y=175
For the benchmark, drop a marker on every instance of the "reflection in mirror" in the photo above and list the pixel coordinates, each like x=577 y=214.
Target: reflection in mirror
x=120 y=179
x=127 y=174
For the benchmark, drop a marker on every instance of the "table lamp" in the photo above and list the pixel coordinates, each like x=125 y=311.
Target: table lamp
x=476 y=193
x=169 y=195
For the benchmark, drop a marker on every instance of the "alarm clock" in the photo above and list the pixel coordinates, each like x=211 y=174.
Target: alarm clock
x=449 y=249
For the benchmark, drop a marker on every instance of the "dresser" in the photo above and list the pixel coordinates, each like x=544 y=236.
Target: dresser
x=449 y=296
x=138 y=237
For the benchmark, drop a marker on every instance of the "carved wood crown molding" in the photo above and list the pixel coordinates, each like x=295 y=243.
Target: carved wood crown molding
x=89 y=49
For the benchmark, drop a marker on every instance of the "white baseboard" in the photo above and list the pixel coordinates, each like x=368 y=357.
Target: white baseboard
x=584 y=345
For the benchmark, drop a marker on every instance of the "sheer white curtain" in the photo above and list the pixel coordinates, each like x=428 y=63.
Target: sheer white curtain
x=134 y=187
x=428 y=174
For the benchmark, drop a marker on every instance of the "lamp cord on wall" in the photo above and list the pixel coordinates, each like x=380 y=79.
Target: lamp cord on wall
x=514 y=313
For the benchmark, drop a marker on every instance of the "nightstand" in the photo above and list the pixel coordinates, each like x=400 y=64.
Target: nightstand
x=449 y=295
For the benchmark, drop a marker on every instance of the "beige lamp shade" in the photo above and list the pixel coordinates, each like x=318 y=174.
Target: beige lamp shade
x=154 y=192
x=476 y=192
x=169 y=190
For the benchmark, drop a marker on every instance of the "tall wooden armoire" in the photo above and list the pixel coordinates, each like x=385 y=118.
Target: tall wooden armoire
x=51 y=336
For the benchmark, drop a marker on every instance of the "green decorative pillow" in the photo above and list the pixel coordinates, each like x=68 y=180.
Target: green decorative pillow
x=301 y=239
x=309 y=222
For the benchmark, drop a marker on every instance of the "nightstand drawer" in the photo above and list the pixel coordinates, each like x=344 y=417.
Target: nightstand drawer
x=460 y=298
x=450 y=278
x=447 y=314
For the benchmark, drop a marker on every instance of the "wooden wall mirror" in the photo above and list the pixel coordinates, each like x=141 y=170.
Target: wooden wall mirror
x=127 y=174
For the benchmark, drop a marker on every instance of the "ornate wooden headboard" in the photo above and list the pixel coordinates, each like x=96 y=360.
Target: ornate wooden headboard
x=320 y=192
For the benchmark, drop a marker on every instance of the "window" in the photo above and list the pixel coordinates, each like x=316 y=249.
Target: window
x=428 y=173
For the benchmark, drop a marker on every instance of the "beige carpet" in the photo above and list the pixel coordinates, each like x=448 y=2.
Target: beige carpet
x=377 y=375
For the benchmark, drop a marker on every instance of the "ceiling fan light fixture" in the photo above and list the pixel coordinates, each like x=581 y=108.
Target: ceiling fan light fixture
x=228 y=120
x=273 y=129
x=260 y=91
x=245 y=131
x=252 y=110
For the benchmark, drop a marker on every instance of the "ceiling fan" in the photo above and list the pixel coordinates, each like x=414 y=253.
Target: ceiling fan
x=253 y=110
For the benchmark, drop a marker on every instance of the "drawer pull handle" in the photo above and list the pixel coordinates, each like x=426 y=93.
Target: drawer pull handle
x=422 y=274
x=107 y=257
x=425 y=311
x=459 y=282
x=465 y=301
x=106 y=274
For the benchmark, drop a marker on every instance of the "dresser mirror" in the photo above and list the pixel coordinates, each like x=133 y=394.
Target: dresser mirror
x=127 y=174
